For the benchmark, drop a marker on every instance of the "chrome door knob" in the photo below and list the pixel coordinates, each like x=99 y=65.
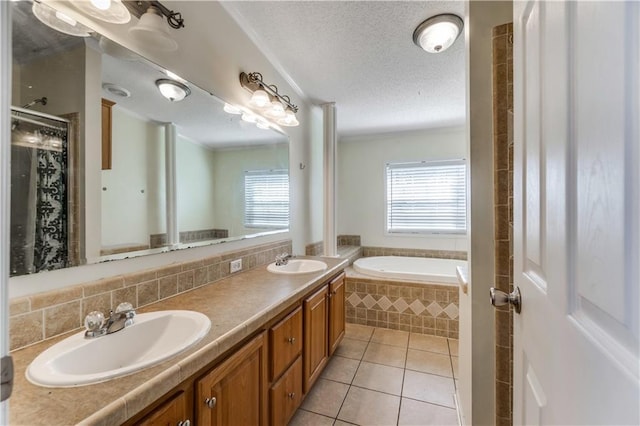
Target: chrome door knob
x=500 y=298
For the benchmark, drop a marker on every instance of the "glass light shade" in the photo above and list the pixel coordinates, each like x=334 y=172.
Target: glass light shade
x=151 y=31
x=173 y=90
x=276 y=110
x=249 y=118
x=231 y=109
x=289 y=119
x=59 y=21
x=437 y=34
x=260 y=99
x=115 y=11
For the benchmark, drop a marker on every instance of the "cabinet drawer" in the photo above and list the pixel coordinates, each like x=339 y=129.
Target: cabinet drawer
x=286 y=394
x=285 y=342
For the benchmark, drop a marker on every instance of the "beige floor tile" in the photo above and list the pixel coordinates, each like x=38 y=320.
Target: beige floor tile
x=429 y=362
x=453 y=347
x=390 y=337
x=366 y=407
x=351 y=348
x=325 y=397
x=414 y=413
x=341 y=369
x=429 y=343
x=379 y=377
x=306 y=418
x=428 y=388
x=339 y=423
x=359 y=332
x=385 y=354
x=454 y=362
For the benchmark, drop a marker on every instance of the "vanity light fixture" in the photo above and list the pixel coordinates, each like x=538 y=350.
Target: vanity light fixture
x=113 y=11
x=438 y=33
x=59 y=21
x=173 y=90
x=266 y=97
x=151 y=31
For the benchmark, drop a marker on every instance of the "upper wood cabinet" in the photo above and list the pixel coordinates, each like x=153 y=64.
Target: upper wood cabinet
x=316 y=336
x=106 y=133
x=336 y=312
x=234 y=393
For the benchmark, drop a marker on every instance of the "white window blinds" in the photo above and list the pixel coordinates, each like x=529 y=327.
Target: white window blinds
x=266 y=199
x=426 y=197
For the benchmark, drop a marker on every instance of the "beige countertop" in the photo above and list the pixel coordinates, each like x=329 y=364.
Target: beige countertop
x=238 y=306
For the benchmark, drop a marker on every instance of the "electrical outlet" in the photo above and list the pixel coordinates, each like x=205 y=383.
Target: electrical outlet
x=235 y=266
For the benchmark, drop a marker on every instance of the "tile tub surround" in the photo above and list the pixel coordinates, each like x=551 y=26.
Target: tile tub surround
x=45 y=315
x=238 y=306
x=392 y=251
x=430 y=309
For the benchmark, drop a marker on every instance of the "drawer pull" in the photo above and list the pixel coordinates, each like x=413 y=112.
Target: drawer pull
x=211 y=402
x=291 y=340
x=291 y=395
x=184 y=423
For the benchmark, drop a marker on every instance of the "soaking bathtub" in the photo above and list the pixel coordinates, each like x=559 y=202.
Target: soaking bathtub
x=422 y=269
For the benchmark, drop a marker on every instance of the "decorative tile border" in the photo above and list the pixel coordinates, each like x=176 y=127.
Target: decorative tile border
x=391 y=251
x=44 y=315
x=420 y=308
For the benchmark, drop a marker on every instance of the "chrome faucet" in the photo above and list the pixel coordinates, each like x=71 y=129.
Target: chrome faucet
x=97 y=325
x=283 y=259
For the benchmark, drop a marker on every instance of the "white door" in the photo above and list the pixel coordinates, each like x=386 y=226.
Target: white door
x=576 y=212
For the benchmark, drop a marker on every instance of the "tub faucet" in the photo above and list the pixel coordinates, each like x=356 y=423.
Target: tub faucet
x=283 y=259
x=98 y=326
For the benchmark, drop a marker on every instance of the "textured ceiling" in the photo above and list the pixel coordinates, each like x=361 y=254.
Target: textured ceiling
x=360 y=54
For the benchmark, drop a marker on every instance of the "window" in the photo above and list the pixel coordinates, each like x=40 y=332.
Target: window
x=426 y=197
x=266 y=199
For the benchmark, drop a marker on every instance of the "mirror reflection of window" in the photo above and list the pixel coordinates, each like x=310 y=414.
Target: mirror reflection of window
x=266 y=199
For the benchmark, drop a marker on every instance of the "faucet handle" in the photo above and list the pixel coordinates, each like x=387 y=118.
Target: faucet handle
x=94 y=320
x=124 y=307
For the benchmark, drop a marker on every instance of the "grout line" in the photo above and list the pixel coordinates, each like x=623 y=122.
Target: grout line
x=354 y=375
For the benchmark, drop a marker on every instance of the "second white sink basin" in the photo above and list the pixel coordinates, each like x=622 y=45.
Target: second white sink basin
x=298 y=266
x=153 y=337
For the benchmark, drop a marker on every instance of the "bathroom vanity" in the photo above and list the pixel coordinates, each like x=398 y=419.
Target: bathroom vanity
x=271 y=335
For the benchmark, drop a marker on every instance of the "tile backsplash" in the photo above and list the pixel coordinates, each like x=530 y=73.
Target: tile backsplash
x=391 y=251
x=44 y=315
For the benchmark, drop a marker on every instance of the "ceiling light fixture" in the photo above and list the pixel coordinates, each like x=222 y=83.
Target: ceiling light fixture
x=59 y=21
x=112 y=11
x=173 y=90
x=438 y=33
x=151 y=31
x=275 y=105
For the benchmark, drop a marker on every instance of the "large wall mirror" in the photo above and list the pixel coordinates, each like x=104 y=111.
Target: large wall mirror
x=173 y=174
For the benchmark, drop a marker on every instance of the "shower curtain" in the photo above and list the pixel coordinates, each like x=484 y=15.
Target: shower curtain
x=39 y=232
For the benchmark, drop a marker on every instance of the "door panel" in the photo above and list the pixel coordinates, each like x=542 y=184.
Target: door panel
x=576 y=215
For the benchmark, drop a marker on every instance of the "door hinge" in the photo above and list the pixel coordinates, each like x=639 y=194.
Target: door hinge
x=6 y=378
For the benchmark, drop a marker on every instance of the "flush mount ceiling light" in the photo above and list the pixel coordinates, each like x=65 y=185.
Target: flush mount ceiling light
x=116 y=90
x=59 y=21
x=438 y=33
x=113 y=11
x=173 y=90
x=267 y=98
x=151 y=31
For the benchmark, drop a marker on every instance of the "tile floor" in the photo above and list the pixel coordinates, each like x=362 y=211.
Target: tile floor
x=385 y=377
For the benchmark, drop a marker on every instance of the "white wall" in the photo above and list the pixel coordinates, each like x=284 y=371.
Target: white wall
x=195 y=173
x=229 y=170
x=131 y=181
x=213 y=51
x=361 y=165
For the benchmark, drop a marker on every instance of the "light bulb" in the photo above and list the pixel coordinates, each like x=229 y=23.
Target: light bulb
x=259 y=99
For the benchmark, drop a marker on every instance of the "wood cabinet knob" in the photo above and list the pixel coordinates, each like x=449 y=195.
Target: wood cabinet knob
x=291 y=395
x=291 y=340
x=184 y=423
x=211 y=402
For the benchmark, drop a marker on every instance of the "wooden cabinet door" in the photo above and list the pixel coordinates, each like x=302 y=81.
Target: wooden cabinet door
x=234 y=393
x=285 y=342
x=286 y=394
x=171 y=413
x=316 y=336
x=336 y=312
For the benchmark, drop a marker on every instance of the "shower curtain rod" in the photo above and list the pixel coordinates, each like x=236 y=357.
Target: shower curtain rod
x=38 y=123
x=38 y=114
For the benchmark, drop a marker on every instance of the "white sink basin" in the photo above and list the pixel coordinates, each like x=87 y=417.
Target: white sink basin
x=298 y=266
x=152 y=338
